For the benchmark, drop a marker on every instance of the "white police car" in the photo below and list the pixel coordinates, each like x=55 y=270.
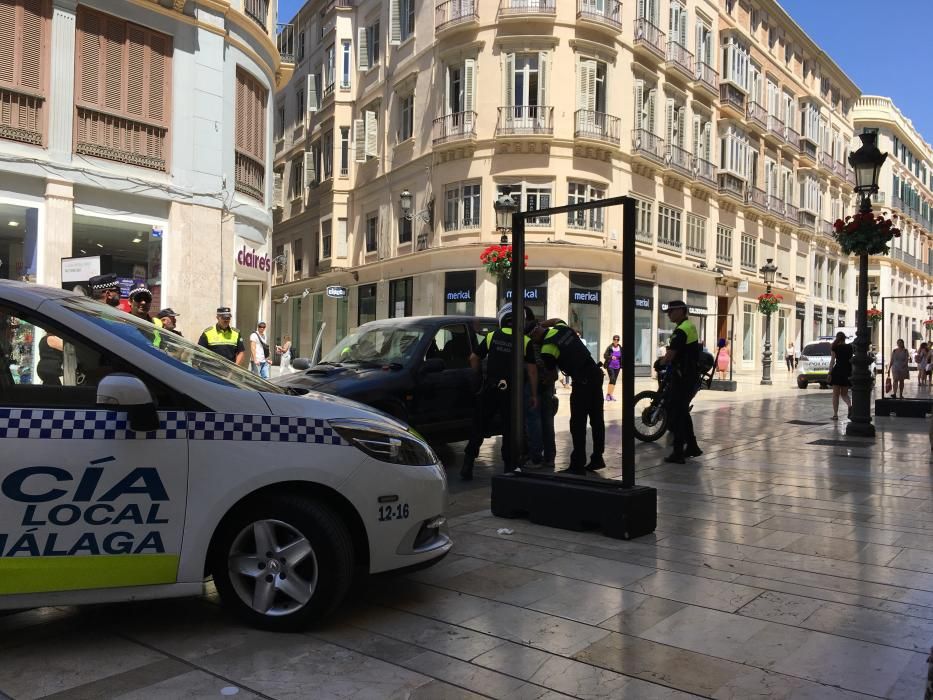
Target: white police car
x=134 y=464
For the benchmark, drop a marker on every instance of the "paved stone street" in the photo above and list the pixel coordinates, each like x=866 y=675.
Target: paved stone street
x=788 y=562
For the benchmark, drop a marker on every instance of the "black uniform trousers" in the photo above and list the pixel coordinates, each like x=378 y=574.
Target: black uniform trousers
x=678 y=413
x=586 y=402
x=490 y=404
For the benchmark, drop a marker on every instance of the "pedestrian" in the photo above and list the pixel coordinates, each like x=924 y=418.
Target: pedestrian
x=563 y=348
x=105 y=289
x=922 y=359
x=840 y=372
x=899 y=369
x=168 y=316
x=612 y=361
x=724 y=360
x=494 y=397
x=223 y=339
x=259 y=349
x=790 y=357
x=682 y=357
x=140 y=300
x=285 y=350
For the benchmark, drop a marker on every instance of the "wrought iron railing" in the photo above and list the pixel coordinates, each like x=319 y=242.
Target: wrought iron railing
x=775 y=204
x=792 y=137
x=608 y=12
x=775 y=126
x=117 y=138
x=646 y=143
x=705 y=171
x=285 y=41
x=878 y=198
x=808 y=148
x=680 y=159
x=453 y=127
x=757 y=197
x=826 y=160
x=646 y=34
x=791 y=213
x=257 y=10
x=596 y=125
x=525 y=120
x=249 y=176
x=731 y=96
x=21 y=116
x=757 y=115
x=731 y=185
x=707 y=76
x=678 y=56
x=454 y=12
x=508 y=8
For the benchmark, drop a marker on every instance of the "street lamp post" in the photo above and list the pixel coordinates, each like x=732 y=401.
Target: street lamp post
x=505 y=206
x=875 y=294
x=866 y=162
x=769 y=272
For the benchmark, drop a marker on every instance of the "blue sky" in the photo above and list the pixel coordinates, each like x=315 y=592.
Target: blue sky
x=883 y=45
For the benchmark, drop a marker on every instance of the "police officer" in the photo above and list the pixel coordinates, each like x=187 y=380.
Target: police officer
x=168 y=316
x=562 y=347
x=495 y=394
x=105 y=289
x=682 y=355
x=140 y=301
x=222 y=339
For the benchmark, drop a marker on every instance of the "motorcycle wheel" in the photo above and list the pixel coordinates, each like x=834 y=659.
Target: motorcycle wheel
x=650 y=418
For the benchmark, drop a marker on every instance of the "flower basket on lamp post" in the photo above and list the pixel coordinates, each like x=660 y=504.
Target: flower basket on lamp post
x=497 y=259
x=768 y=303
x=928 y=324
x=865 y=234
x=874 y=316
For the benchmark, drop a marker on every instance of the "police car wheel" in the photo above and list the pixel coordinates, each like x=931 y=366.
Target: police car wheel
x=282 y=563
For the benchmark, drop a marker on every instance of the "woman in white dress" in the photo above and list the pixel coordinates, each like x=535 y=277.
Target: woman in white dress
x=285 y=350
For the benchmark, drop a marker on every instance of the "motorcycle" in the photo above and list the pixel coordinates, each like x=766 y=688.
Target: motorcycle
x=651 y=405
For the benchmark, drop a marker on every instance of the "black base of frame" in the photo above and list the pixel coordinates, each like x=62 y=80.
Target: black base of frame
x=903 y=408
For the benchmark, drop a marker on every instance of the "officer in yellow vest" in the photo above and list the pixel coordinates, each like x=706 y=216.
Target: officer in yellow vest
x=682 y=355
x=222 y=339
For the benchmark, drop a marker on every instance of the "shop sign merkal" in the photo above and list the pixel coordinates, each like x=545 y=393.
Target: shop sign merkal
x=584 y=296
x=642 y=302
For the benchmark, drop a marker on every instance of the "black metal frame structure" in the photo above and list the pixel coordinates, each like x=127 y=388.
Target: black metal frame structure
x=883 y=324
x=517 y=412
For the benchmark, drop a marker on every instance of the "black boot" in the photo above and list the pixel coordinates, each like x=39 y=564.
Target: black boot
x=693 y=450
x=466 y=471
x=675 y=457
x=596 y=463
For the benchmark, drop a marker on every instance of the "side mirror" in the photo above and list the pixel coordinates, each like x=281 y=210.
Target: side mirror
x=129 y=393
x=301 y=363
x=433 y=365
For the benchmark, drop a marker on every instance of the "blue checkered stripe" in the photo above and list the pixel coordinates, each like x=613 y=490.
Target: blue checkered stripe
x=73 y=424
x=250 y=428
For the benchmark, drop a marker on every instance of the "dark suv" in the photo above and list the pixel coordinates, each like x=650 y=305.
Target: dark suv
x=416 y=369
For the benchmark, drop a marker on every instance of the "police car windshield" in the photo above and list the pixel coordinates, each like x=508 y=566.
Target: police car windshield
x=381 y=344
x=168 y=346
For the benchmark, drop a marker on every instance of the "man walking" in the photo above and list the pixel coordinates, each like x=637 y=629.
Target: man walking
x=259 y=348
x=682 y=358
x=562 y=347
x=495 y=394
x=222 y=339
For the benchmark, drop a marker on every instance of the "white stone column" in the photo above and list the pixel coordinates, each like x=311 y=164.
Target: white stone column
x=55 y=233
x=61 y=80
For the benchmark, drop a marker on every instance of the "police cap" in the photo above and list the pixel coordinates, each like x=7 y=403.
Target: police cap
x=102 y=283
x=224 y=312
x=676 y=304
x=140 y=290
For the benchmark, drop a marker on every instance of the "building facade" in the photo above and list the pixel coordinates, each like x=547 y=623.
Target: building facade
x=725 y=121
x=905 y=277
x=135 y=138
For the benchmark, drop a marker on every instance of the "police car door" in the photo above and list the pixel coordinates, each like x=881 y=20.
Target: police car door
x=443 y=398
x=85 y=502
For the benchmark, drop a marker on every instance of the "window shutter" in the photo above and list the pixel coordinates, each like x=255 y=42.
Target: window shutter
x=542 y=79
x=640 y=104
x=277 y=190
x=89 y=65
x=32 y=40
x=395 y=25
x=581 y=84
x=362 y=51
x=641 y=9
x=372 y=134
x=591 y=85
x=309 y=169
x=311 y=92
x=114 y=63
x=469 y=88
x=509 y=81
x=670 y=122
x=697 y=127
x=708 y=141
x=681 y=121
x=359 y=141
x=650 y=109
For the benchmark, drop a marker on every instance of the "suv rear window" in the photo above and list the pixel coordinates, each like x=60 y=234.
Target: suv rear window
x=817 y=349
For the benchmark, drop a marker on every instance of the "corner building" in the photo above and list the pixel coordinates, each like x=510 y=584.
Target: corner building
x=725 y=121
x=135 y=138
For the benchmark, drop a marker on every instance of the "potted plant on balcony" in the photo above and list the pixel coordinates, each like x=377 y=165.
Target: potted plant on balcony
x=497 y=259
x=874 y=316
x=768 y=302
x=865 y=233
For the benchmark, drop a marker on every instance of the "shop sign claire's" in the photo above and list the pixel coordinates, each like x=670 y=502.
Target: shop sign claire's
x=250 y=258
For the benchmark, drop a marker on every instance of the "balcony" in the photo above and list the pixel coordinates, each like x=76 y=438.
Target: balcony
x=826 y=228
x=647 y=145
x=605 y=13
x=878 y=198
x=707 y=78
x=455 y=13
x=453 y=128
x=757 y=199
x=679 y=59
x=597 y=126
x=585 y=221
x=669 y=241
x=898 y=203
x=680 y=160
x=806 y=219
x=257 y=10
x=775 y=205
x=731 y=186
x=705 y=173
x=285 y=42
x=808 y=151
x=826 y=160
x=732 y=99
x=328 y=91
x=525 y=120
x=467 y=224
x=850 y=176
x=757 y=117
x=120 y=139
x=648 y=38
x=792 y=138
x=516 y=9
x=21 y=116
x=249 y=176
x=791 y=213
x=775 y=128
x=839 y=169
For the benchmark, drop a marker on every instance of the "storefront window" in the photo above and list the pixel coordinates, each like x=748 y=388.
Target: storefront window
x=317 y=322
x=696 y=301
x=131 y=250
x=460 y=293
x=830 y=321
x=535 y=292
x=584 y=304
x=817 y=323
x=781 y=346
x=342 y=314
x=644 y=303
x=400 y=297
x=296 y=328
x=366 y=304
x=665 y=327
x=748 y=331
x=18 y=234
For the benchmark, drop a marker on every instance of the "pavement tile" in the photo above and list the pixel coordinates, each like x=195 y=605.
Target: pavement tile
x=695 y=590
